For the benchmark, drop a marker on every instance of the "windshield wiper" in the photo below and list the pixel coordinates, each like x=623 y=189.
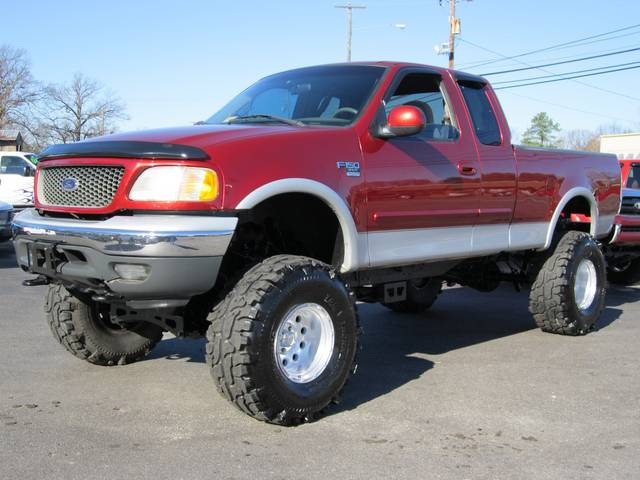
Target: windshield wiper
x=288 y=121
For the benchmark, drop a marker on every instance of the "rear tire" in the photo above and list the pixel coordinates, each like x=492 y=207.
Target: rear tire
x=283 y=342
x=628 y=274
x=567 y=296
x=421 y=294
x=87 y=333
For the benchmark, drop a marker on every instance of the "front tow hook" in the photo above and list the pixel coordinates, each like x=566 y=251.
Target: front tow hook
x=36 y=282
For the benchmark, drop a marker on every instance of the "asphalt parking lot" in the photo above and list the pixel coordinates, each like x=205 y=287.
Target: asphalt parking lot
x=469 y=390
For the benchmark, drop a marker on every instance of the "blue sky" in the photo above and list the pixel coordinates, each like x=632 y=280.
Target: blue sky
x=176 y=62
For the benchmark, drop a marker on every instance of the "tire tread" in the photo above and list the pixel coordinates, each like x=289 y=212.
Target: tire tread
x=234 y=322
x=551 y=288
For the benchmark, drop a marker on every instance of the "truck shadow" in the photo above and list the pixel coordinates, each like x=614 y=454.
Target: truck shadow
x=396 y=349
x=394 y=346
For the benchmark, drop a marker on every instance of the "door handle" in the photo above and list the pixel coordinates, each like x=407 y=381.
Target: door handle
x=466 y=169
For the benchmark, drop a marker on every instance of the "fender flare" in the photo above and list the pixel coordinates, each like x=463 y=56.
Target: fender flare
x=355 y=249
x=566 y=198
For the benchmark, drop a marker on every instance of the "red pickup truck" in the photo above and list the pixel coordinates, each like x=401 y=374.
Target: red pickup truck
x=313 y=188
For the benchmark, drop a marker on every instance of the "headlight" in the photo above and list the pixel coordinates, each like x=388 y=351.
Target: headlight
x=175 y=184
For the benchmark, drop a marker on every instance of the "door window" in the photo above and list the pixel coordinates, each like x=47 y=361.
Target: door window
x=425 y=91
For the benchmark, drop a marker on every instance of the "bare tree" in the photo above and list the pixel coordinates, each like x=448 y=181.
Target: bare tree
x=589 y=140
x=18 y=90
x=581 y=140
x=78 y=110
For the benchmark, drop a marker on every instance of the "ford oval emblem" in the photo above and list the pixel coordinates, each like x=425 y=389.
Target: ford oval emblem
x=69 y=184
x=637 y=206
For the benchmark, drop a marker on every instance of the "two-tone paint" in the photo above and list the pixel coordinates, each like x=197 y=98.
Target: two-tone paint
x=414 y=200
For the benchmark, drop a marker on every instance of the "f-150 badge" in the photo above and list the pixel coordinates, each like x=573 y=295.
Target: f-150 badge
x=352 y=168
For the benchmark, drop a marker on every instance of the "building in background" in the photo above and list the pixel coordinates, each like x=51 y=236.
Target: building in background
x=625 y=145
x=11 y=143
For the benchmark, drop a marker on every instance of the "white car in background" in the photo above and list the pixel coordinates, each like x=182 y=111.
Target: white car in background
x=6 y=215
x=17 y=174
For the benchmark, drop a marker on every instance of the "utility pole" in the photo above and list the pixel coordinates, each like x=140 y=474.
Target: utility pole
x=454 y=29
x=349 y=8
x=452 y=38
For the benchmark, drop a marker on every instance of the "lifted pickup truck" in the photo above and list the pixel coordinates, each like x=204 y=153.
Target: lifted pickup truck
x=313 y=188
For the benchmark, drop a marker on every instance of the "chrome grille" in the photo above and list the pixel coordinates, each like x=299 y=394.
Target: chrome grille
x=629 y=206
x=83 y=186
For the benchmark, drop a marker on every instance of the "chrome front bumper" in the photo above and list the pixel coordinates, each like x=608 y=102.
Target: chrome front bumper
x=182 y=253
x=135 y=235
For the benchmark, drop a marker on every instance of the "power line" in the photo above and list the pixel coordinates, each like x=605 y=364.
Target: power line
x=569 y=78
x=564 y=57
x=505 y=58
x=555 y=47
x=566 y=73
x=619 y=52
x=554 y=104
x=594 y=87
x=582 y=44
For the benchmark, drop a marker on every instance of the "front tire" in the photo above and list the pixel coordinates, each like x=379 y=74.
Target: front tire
x=282 y=344
x=627 y=274
x=567 y=296
x=85 y=331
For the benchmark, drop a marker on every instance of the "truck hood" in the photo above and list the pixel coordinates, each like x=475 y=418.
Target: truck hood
x=630 y=192
x=201 y=136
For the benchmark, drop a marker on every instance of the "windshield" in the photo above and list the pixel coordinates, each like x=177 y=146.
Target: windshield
x=331 y=95
x=633 y=181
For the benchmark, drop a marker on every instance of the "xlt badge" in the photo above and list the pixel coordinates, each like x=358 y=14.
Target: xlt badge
x=352 y=168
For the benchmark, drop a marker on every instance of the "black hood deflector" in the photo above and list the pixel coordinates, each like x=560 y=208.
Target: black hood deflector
x=123 y=149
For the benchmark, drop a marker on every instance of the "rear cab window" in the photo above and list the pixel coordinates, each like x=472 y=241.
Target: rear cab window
x=483 y=117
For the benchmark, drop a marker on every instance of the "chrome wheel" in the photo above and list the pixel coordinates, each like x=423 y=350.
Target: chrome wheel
x=304 y=342
x=585 y=286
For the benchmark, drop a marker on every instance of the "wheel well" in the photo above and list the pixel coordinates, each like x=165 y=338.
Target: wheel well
x=580 y=208
x=290 y=223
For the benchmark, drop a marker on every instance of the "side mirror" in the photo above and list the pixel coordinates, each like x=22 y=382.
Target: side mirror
x=402 y=121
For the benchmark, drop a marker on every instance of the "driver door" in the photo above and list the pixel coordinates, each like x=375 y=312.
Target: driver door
x=422 y=190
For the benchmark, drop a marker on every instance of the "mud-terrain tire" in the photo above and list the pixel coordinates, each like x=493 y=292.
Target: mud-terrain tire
x=628 y=274
x=261 y=329
x=568 y=294
x=87 y=333
x=421 y=294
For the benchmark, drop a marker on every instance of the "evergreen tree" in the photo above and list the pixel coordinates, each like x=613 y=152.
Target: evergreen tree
x=542 y=131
